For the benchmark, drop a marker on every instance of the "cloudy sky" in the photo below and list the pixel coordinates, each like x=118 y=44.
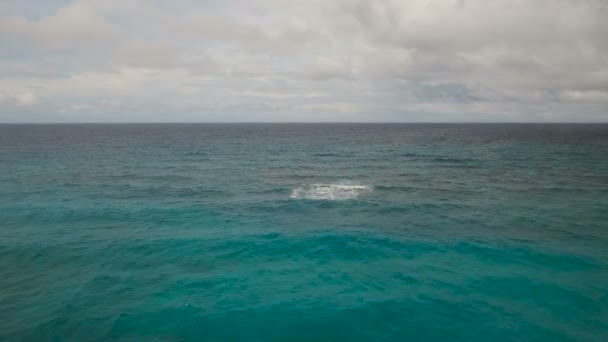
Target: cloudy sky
x=313 y=60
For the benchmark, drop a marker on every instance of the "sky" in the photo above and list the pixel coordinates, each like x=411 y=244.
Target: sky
x=304 y=61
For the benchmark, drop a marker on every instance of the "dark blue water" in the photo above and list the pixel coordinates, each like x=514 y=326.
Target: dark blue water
x=303 y=232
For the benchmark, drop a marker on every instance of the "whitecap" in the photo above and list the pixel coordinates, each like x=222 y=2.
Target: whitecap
x=331 y=192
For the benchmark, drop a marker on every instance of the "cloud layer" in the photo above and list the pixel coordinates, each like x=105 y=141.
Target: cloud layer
x=272 y=60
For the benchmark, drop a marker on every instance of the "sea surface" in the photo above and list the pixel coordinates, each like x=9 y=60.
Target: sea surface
x=298 y=232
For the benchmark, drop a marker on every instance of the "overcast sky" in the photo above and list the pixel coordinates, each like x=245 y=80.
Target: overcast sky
x=313 y=60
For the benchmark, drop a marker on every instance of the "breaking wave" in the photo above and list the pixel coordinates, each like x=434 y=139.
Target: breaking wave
x=331 y=192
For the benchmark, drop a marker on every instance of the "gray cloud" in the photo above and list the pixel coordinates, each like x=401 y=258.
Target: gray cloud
x=270 y=60
x=76 y=24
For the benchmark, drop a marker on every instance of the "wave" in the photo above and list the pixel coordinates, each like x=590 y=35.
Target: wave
x=331 y=192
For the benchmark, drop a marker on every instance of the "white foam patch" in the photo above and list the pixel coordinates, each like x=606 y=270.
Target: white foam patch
x=331 y=192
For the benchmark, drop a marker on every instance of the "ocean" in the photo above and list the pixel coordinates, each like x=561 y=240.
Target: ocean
x=304 y=232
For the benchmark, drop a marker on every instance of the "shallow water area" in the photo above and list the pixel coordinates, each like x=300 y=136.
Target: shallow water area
x=362 y=232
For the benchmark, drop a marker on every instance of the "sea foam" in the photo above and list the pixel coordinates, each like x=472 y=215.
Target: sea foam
x=332 y=192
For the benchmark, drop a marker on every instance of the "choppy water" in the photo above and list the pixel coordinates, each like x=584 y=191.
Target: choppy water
x=304 y=232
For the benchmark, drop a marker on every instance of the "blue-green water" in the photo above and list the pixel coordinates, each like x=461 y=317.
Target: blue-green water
x=303 y=232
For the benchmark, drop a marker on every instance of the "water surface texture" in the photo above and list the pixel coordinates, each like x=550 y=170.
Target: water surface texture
x=303 y=232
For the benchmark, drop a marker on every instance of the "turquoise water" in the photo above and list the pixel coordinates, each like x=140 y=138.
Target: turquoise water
x=303 y=232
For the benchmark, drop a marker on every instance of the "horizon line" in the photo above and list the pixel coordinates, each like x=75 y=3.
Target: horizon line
x=305 y=122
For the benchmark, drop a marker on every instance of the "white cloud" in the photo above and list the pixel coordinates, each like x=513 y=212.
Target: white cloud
x=18 y=99
x=419 y=60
